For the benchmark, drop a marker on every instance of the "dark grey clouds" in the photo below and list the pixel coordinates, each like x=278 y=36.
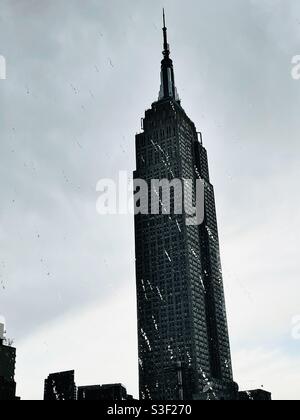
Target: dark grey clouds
x=80 y=75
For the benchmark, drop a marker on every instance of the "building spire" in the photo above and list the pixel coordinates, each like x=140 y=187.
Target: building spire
x=166 y=51
x=167 y=88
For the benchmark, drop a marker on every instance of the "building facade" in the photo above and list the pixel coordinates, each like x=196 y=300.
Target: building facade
x=184 y=350
x=60 y=387
x=111 y=392
x=7 y=369
x=255 y=395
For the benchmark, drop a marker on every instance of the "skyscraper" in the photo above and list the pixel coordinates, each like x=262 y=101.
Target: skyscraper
x=184 y=350
x=7 y=369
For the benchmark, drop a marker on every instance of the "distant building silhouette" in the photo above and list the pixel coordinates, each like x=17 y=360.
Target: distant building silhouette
x=256 y=395
x=184 y=350
x=7 y=370
x=113 y=392
x=60 y=387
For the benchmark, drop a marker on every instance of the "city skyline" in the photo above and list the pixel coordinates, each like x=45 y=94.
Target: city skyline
x=59 y=113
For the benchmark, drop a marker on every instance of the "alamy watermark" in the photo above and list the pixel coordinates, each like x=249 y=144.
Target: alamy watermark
x=296 y=327
x=155 y=196
x=296 y=67
x=2 y=68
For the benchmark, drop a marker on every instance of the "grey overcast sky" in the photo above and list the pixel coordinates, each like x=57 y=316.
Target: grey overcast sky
x=80 y=75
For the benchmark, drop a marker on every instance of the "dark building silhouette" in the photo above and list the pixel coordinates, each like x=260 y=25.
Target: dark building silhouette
x=184 y=350
x=7 y=369
x=60 y=387
x=113 y=392
x=256 y=395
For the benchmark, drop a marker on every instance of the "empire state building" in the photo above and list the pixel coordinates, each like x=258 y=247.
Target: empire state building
x=184 y=349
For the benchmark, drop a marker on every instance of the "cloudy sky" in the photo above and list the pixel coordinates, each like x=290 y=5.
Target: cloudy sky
x=79 y=78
